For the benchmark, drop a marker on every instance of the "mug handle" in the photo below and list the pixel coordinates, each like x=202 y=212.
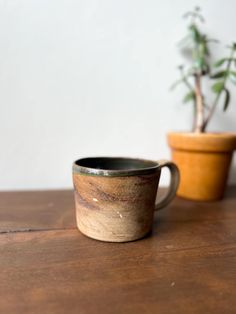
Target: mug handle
x=174 y=183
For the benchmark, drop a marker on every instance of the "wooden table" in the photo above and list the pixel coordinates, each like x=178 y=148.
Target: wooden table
x=188 y=264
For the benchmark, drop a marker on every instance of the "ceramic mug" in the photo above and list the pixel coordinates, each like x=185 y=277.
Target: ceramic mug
x=115 y=197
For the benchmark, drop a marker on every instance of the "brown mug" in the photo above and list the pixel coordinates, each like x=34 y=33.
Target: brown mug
x=115 y=197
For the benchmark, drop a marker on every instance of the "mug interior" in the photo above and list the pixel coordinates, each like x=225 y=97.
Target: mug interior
x=114 y=165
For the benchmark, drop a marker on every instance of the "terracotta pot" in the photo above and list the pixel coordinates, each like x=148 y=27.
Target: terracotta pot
x=204 y=161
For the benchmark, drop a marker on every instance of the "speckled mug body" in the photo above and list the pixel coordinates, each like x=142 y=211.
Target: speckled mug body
x=115 y=207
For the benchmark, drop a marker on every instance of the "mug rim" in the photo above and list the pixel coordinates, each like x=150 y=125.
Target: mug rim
x=85 y=170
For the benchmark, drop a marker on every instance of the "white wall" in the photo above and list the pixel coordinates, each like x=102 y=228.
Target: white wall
x=81 y=78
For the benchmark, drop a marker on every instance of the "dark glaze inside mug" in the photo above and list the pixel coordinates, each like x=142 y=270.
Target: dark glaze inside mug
x=114 y=166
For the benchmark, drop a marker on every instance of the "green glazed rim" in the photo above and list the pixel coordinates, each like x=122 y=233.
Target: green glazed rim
x=114 y=166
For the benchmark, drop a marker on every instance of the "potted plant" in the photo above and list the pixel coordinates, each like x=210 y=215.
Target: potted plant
x=203 y=158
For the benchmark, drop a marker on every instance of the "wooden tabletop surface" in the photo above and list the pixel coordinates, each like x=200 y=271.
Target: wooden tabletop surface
x=187 y=265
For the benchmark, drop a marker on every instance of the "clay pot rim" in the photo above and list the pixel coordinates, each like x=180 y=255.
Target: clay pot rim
x=206 y=135
x=149 y=167
x=202 y=142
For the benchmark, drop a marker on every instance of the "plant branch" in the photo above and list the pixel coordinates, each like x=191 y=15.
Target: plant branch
x=187 y=83
x=199 y=105
x=184 y=78
x=190 y=87
x=215 y=103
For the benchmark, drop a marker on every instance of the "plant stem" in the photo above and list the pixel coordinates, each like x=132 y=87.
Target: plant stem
x=194 y=116
x=215 y=103
x=199 y=105
x=189 y=86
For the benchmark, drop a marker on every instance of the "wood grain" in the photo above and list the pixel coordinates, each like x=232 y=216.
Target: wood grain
x=187 y=265
x=36 y=210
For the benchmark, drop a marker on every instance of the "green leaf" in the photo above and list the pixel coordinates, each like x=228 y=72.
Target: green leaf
x=227 y=99
x=196 y=36
x=194 y=14
x=220 y=74
x=218 y=87
x=184 y=41
x=189 y=97
x=234 y=46
x=203 y=49
x=220 y=62
x=232 y=75
x=175 y=84
x=212 y=40
x=199 y=62
x=200 y=65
